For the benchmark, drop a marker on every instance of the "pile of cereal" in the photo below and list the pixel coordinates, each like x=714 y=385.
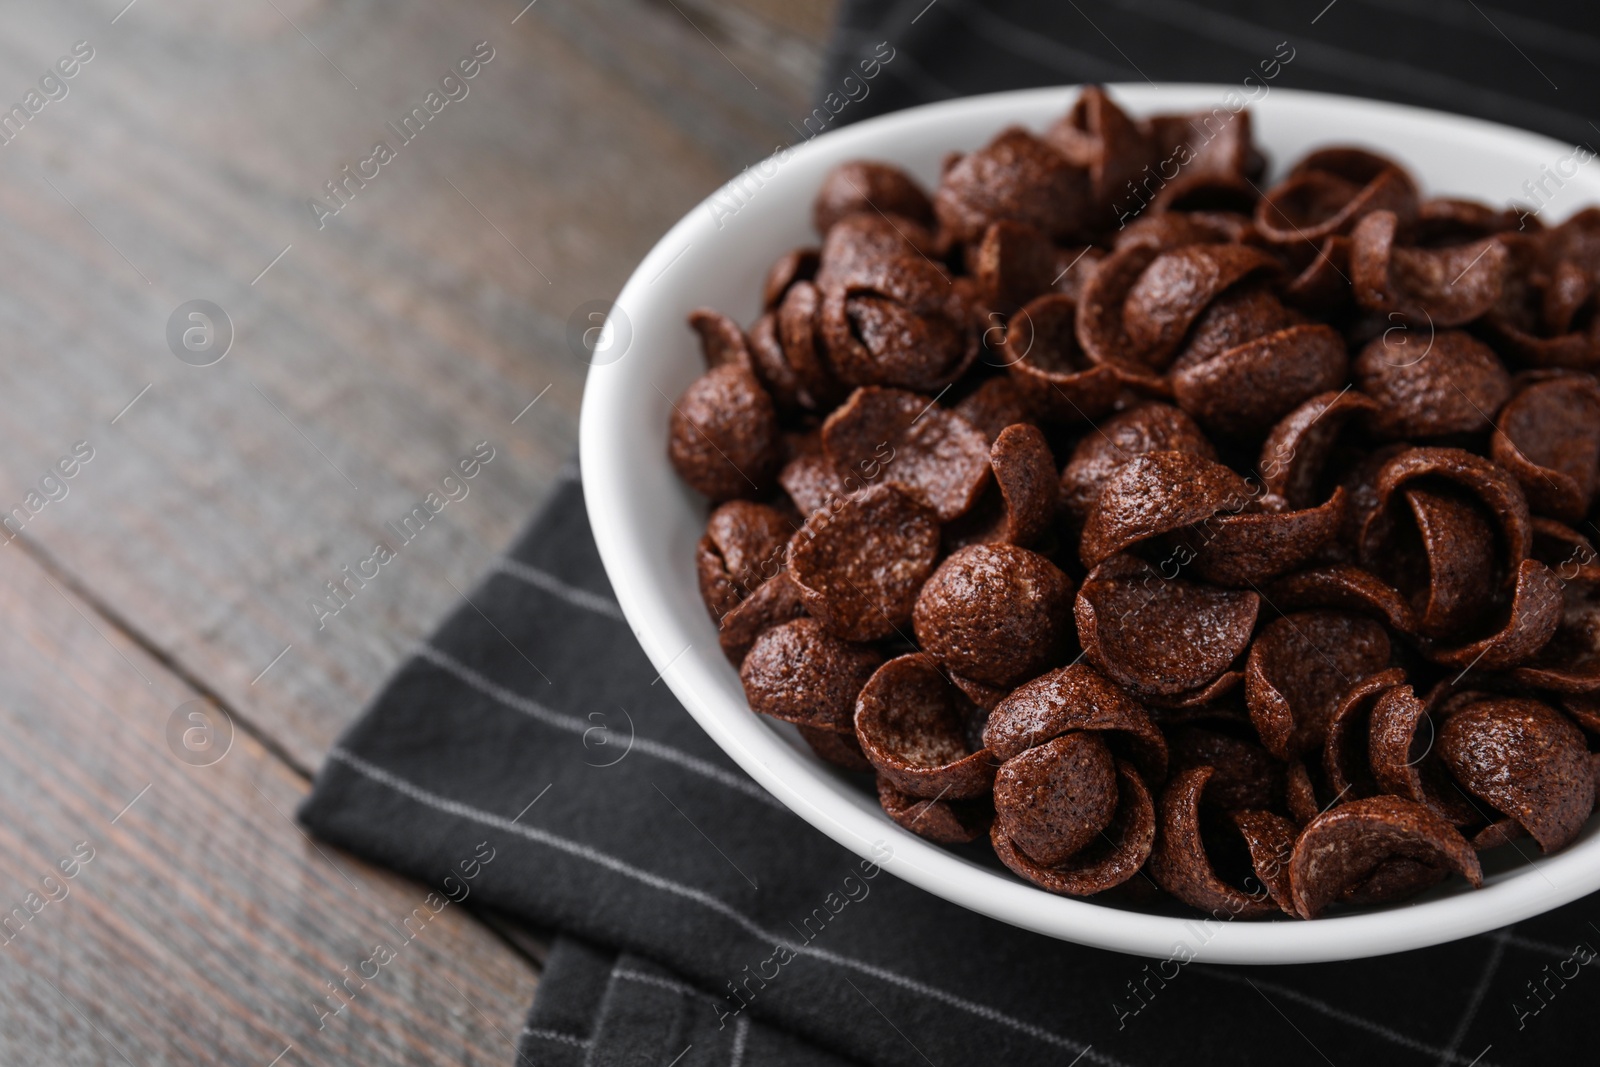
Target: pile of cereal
x=1242 y=542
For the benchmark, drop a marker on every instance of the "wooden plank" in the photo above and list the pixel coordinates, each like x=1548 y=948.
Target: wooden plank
x=204 y=926
x=374 y=353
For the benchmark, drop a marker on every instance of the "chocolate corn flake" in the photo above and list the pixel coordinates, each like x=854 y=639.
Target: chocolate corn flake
x=1525 y=759
x=743 y=546
x=1456 y=384
x=1299 y=667
x=928 y=451
x=1179 y=864
x=1116 y=855
x=1156 y=494
x=1163 y=639
x=1438 y=286
x=860 y=566
x=1347 y=844
x=1548 y=437
x=1144 y=428
x=1019 y=510
x=995 y=613
x=723 y=434
x=1236 y=543
x=911 y=721
x=862 y=187
x=948 y=822
x=1040 y=349
x=801 y=673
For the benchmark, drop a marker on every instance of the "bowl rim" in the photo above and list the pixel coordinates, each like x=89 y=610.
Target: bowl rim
x=1540 y=884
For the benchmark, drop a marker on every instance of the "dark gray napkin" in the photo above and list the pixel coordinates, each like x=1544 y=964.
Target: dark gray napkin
x=697 y=921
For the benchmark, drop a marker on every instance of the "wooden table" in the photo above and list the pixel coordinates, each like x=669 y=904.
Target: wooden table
x=169 y=575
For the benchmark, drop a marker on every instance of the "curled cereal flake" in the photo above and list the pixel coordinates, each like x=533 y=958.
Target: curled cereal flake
x=1583 y=709
x=1200 y=145
x=1217 y=195
x=1346 y=587
x=874 y=338
x=1142 y=429
x=800 y=673
x=1443 y=286
x=1101 y=138
x=908 y=441
x=814 y=483
x=1443 y=221
x=864 y=250
x=1012 y=264
x=1300 y=665
x=1454 y=385
x=1114 y=857
x=859 y=566
x=1323 y=285
x=1300 y=793
x=743 y=546
x=721 y=340
x=1074 y=266
x=841 y=750
x=1329 y=192
x=995 y=613
x=1548 y=437
x=1015 y=177
x=1497 y=490
x=1101 y=328
x=1247 y=548
x=1393 y=879
x=1041 y=353
x=865 y=187
x=911 y=723
x=1295 y=456
x=1346 y=757
x=796 y=265
x=1439 y=552
x=771 y=366
x=722 y=437
x=774 y=602
x=802 y=347
x=1241 y=314
x=1269 y=837
x=1534 y=617
x=1176 y=287
x=1527 y=761
x=1025 y=474
x=1159 y=638
x=1179 y=863
x=1242 y=391
x=996 y=404
x=1054 y=799
x=1246 y=776
x=1075 y=697
x=1345 y=845
x=983 y=695
x=1565 y=551
x=1155 y=494
x=1402 y=752
x=1173 y=229
x=1570 y=662
x=943 y=821
x=1497 y=833
x=1533 y=320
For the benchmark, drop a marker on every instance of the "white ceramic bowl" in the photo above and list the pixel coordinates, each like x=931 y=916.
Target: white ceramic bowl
x=647 y=522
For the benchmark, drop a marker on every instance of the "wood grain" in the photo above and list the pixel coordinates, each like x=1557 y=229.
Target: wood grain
x=205 y=925
x=422 y=319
